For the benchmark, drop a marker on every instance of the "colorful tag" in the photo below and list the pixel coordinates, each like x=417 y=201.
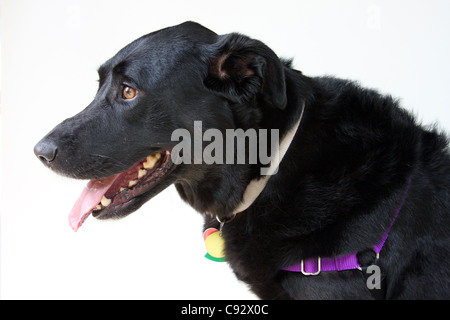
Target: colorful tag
x=215 y=245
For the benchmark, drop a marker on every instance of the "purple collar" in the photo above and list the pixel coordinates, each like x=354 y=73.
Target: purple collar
x=316 y=265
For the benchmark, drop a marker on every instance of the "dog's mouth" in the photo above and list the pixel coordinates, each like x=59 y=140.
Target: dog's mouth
x=107 y=197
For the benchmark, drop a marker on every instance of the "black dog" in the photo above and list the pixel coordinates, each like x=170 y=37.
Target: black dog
x=358 y=173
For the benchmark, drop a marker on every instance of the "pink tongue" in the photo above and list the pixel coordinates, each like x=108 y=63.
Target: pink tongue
x=91 y=196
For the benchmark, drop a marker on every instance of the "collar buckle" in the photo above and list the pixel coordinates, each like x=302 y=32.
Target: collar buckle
x=319 y=267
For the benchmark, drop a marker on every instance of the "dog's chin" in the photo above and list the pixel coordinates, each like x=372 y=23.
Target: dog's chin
x=123 y=193
x=125 y=199
x=118 y=210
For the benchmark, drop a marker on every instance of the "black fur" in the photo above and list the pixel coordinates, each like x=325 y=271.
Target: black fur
x=337 y=188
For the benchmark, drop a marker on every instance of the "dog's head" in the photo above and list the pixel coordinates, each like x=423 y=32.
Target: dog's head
x=161 y=82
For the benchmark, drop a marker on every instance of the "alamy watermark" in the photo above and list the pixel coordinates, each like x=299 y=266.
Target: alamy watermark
x=235 y=147
x=374 y=280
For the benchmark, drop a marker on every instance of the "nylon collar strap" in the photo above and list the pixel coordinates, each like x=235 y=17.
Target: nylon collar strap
x=313 y=266
x=256 y=186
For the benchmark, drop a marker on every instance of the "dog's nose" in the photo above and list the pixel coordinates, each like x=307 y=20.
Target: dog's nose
x=46 y=151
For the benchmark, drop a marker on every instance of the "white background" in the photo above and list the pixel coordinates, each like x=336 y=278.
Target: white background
x=50 y=51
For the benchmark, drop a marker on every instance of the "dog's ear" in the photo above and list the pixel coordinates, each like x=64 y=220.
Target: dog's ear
x=241 y=69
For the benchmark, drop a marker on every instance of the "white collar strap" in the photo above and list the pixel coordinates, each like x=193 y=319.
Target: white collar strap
x=256 y=186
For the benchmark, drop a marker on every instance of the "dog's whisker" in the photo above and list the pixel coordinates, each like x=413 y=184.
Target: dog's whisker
x=114 y=160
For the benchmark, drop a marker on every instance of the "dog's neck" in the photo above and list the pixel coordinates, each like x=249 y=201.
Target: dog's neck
x=256 y=186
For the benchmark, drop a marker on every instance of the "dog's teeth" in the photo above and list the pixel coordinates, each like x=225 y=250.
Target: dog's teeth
x=132 y=183
x=141 y=173
x=121 y=189
x=151 y=161
x=98 y=207
x=105 y=201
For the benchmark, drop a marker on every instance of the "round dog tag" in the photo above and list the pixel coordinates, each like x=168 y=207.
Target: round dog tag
x=215 y=245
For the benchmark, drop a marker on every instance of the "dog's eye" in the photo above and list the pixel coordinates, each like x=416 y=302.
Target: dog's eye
x=128 y=93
